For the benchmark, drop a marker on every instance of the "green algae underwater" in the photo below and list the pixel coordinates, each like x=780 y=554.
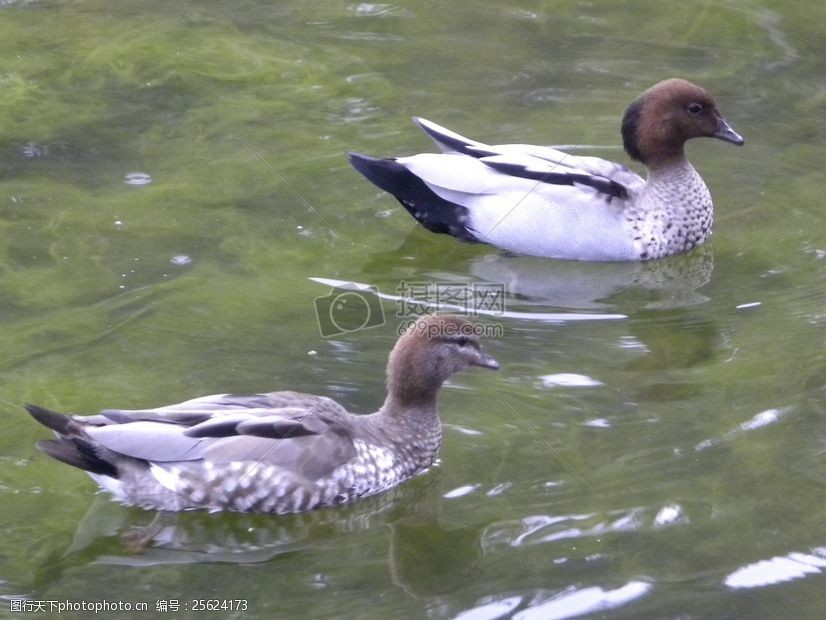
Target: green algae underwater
x=172 y=175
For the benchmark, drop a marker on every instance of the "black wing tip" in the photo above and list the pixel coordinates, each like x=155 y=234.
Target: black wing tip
x=48 y=418
x=356 y=159
x=459 y=144
x=79 y=453
x=68 y=448
x=383 y=173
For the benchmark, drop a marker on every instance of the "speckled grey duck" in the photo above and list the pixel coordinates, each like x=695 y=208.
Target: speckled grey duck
x=274 y=453
x=541 y=201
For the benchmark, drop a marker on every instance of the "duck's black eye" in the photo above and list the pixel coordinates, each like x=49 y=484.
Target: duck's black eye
x=695 y=108
x=463 y=341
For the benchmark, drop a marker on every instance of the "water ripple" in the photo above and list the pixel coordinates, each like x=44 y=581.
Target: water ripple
x=778 y=569
x=490 y=608
x=137 y=179
x=764 y=418
x=569 y=379
x=370 y=9
x=575 y=602
x=538 y=529
x=670 y=515
x=572 y=602
x=181 y=260
x=549 y=317
x=461 y=491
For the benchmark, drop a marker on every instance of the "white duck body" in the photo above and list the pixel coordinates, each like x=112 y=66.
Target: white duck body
x=541 y=201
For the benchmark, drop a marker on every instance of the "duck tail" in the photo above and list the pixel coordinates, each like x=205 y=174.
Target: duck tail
x=386 y=174
x=69 y=447
x=431 y=210
x=58 y=422
x=77 y=452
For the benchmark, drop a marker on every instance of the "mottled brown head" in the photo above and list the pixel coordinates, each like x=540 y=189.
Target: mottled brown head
x=658 y=123
x=428 y=353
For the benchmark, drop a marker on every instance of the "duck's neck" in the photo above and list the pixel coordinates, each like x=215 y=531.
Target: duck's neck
x=667 y=161
x=414 y=428
x=674 y=173
x=413 y=381
x=406 y=404
x=411 y=404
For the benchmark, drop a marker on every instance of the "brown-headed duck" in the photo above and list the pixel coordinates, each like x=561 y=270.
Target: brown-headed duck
x=274 y=453
x=540 y=201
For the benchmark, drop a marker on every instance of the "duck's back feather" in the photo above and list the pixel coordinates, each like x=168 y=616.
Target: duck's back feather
x=526 y=199
x=525 y=212
x=518 y=156
x=281 y=428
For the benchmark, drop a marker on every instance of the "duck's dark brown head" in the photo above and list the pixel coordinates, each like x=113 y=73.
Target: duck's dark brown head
x=658 y=123
x=429 y=351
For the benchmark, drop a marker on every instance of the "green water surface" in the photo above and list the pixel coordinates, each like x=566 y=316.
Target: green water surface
x=172 y=174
